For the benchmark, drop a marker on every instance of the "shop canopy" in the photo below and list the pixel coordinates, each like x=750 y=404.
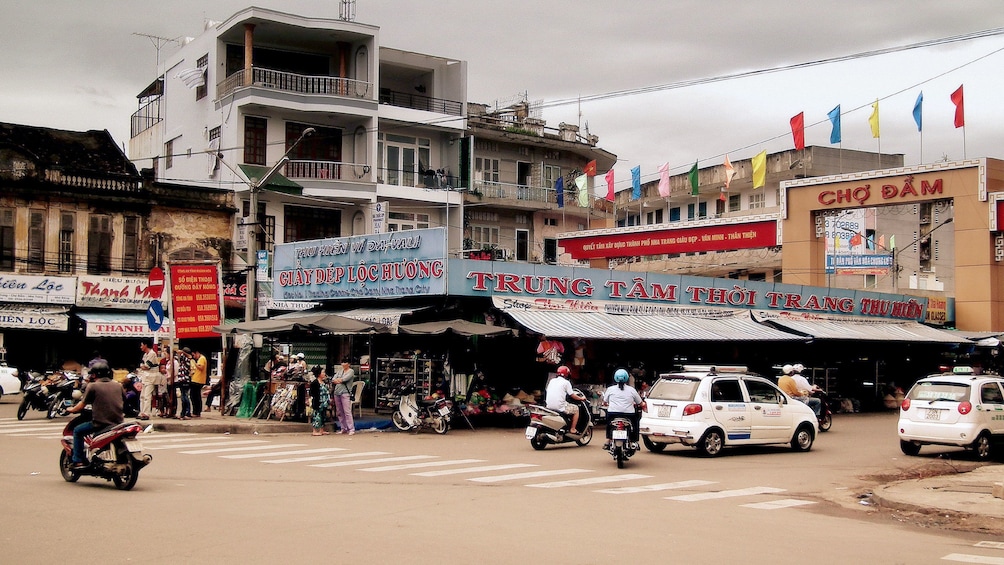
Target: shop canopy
x=728 y=325
x=390 y=317
x=319 y=322
x=819 y=327
x=121 y=324
x=459 y=327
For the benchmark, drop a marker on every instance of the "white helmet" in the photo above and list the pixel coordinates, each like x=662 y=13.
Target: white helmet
x=787 y=369
x=798 y=367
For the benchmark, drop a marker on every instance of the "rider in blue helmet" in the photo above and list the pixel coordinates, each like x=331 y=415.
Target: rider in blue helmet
x=623 y=401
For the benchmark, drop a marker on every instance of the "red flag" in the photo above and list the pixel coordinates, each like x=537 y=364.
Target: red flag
x=721 y=195
x=856 y=239
x=960 y=112
x=590 y=169
x=610 y=182
x=798 y=131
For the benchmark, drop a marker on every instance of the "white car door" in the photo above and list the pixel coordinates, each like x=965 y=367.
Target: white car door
x=771 y=421
x=731 y=410
x=992 y=406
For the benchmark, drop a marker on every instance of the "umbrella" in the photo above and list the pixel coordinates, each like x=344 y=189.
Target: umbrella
x=459 y=327
x=321 y=322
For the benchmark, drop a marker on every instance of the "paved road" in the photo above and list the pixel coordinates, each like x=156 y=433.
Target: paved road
x=470 y=496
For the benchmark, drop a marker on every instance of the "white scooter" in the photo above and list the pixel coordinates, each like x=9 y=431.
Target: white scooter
x=548 y=426
x=412 y=416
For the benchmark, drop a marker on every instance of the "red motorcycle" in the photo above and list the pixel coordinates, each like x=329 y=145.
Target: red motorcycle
x=113 y=454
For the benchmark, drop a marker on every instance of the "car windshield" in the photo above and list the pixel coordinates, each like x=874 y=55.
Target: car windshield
x=675 y=387
x=939 y=390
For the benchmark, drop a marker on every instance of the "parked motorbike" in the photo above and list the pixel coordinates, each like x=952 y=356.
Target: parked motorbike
x=132 y=387
x=548 y=426
x=62 y=393
x=51 y=394
x=621 y=448
x=411 y=415
x=113 y=454
x=825 y=413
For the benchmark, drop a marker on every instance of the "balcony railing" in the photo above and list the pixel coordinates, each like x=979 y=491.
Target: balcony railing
x=292 y=82
x=489 y=189
x=327 y=170
x=145 y=118
x=420 y=102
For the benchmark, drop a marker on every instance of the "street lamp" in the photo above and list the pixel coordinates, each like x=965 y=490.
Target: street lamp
x=251 y=293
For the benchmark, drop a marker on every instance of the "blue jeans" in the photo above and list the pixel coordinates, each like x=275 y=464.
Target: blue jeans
x=186 y=400
x=78 y=440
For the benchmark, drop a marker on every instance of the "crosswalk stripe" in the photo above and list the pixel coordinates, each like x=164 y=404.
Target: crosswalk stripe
x=657 y=487
x=323 y=457
x=591 y=481
x=725 y=494
x=776 y=504
x=249 y=448
x=990 y=544
x=421 y=465
x=194 y=445
x=529 y=475
x=964 y=558
x=38 y=435
x=479 y=469
x=283 y=453
x=368 y=461
x=169 y=440
x=32 y=428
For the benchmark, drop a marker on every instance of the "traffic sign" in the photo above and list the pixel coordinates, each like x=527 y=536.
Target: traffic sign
x=155 y=315
x=155 y=283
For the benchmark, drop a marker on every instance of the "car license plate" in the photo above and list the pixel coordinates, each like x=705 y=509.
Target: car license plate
x=664 y=410
x=932 y=414
x=133 y=445
x=619 y=434
x=530 y=432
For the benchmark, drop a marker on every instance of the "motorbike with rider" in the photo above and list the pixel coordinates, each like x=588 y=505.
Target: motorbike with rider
x=623 y=404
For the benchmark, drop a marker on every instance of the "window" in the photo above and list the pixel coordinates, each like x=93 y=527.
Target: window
x=551 y=175
x=255 y=130
x=522 y=245
x=130 y=244
x=550 y=221
x=7 y=239
x=486 y=170
x=484 y=236
x=67 y=223
x=763 y=393
x=311 y=223
x=99 y=245
x=169 y=154
x=757 y=200
x=316 y=156
x=401 y=221
x=36 y=241
x=735 y=202
x=990 y=393
x=203 y=64
x=405 y=159
x=726 y=391
x=674 y=214
x=550 y=250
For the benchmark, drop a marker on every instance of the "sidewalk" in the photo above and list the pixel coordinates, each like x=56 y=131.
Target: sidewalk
x=970 y=492
x=215 y=423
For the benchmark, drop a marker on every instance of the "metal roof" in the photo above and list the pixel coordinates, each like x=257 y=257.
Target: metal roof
x=864 y=330
x=601 y=325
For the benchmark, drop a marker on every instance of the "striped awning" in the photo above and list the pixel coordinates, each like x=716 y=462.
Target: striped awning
x=737 y=326
x=818 y=327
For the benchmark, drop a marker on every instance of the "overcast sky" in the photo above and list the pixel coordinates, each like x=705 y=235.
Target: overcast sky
x=78 y=65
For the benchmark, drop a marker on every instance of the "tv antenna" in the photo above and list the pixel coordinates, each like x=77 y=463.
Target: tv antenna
x=158 y=43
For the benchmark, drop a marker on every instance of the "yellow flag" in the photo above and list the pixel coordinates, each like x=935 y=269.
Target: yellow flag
x=759 y=169
x=873 y=120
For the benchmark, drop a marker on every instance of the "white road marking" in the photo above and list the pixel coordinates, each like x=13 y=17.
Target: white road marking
x=777 y=504
x=480 y=469
x=368 y=461
x=250 y=448
x=293 y=452
x=323 y=457
x=37 y=428
x=591 y=481
x=422 y=465
x=990 y=544
x=656 y=487
x=194 y=445
x=529 y=475
x=159 y=440
x=725 y=494
x=964 y=558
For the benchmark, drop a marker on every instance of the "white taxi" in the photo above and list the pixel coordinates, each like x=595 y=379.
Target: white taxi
x=9 y=381
x=710 y=407
x=958 y=408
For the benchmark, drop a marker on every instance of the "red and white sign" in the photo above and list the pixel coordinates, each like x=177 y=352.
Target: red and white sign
x=156 y=283
x=195 y=300
x=122 y=293
x=725 y=237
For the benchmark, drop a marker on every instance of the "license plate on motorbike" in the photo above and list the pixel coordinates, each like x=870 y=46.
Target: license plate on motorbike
x=932 y=414
x=444 y=411
x=619 y=434
x=530 y=432
x=133 y=445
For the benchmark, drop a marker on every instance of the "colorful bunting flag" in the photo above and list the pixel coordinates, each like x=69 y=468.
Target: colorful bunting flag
x=590 y=169
x=960 y=113
x=881 y=243
x=664 y=180
x=730 y=171
x=759 y=169
x=873 y=120
x=610 y=185
x=834 y=116
x=636 y=183
x=856 y=240
x=692 y=175
x=580 y=183
x=892 y=242
x=798 y=130
x=721 y=195
x=918 y=111
x=559 y=189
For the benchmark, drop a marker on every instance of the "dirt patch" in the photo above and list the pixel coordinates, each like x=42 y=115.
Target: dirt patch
x=924 y=470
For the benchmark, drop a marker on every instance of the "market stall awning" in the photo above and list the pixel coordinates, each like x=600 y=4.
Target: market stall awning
x=120 y=324
x=390 y=317
x=318 y=322
x=459 y=327
x=730 y=326
x=819 y=327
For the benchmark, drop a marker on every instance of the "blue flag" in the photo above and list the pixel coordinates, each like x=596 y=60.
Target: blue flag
x=636 y=183
x=918 y=111
x=835 y=120
x=559 y=189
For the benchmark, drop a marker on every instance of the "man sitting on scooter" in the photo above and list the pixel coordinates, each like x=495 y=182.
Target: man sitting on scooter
x=558 y=391
x=106 y=398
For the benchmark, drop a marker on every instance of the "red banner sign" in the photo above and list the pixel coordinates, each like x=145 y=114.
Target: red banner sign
x=673 y=240
x=195 y=300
